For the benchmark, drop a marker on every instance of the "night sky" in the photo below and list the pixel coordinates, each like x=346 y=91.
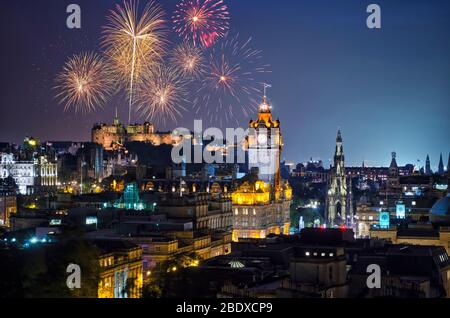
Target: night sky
x=388 y=90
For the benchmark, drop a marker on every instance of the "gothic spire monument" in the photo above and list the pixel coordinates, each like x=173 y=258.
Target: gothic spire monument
x=339 y=206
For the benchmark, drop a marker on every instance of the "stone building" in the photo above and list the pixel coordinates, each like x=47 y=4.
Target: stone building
x=115 y=135
x=339 y=202
x=261 y=202
x=120 y=269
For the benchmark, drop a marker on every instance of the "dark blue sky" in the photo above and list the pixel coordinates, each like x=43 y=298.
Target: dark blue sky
x=386 y=89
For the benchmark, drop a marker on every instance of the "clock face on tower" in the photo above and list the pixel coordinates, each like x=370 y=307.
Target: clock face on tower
x=262 y=139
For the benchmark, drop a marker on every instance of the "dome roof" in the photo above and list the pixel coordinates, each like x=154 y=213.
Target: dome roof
x=441 y=207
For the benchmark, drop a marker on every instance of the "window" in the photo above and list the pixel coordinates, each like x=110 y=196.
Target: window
x=307 y=254
x=370 y=218
x=331 y=254
x=323 y=254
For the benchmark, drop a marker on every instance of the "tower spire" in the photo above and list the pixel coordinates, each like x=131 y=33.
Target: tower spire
x=339 y=135
x=441 y=165
x=428 y=166
x=264 y=107
x=393 y=160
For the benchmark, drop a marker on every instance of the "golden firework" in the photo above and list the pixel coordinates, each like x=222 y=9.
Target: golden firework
x=84 y=83
x=133 y=42
x=161 y=93
x=188 y=59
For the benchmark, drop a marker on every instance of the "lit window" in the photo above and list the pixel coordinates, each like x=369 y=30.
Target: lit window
x=413 y=203
x=315 y=253
x=331 y=254
x=323 y=254
x=307 y=254
x=370 y=218
x=236 y=212
x=381 y=202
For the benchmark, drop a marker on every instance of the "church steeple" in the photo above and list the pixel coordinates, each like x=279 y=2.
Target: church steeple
x=441 y=166
x=428 y=166
x=393 y=164
x=393 y=177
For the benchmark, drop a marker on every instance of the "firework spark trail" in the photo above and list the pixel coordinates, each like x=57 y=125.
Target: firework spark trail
x=134 y=42
x=161 y=93
x=84 y=83
x=232 y=82
x=189 y=60
x=202 y=21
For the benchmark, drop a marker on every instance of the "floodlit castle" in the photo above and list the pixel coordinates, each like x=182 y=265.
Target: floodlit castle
x=115 y=135
x=261 y=203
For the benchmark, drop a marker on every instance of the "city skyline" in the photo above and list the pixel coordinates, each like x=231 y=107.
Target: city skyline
x=188 y=153
x=333 y=75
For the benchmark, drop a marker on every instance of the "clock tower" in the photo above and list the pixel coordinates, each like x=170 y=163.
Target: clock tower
x=265 y=144
x=261 y=201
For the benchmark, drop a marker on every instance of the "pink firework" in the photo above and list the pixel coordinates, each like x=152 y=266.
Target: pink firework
x=202 y=21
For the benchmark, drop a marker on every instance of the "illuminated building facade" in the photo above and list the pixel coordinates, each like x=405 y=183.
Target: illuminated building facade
x=8 y=206
x=120 y=270
x=261 y=203
x=115 y=135
x=434 y=233
x=339 y=208
x=130 y=200
x=206 y=210
x=29 y=175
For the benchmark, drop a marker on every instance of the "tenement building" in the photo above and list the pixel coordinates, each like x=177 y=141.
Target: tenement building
x=261 y=202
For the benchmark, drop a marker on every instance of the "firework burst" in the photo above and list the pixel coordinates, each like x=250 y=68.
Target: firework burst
x=84 y=83
x=161 y=93
x=232 y=82
x=189 y=60
x=133 y=42
x=201 y=21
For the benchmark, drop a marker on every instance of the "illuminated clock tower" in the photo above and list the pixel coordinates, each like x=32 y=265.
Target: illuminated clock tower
x=261 y=202
x=265 y=144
